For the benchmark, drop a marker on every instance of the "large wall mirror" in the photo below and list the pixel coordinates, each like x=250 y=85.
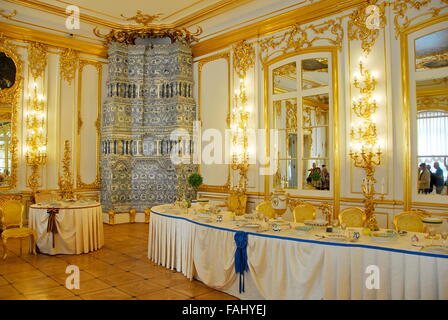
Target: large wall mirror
x=428 y=89
x=10 y=89
x=301 y=109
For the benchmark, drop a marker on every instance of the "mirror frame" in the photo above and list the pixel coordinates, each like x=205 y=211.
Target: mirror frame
x=333 y=53
x=408 y=203
x=11 y=96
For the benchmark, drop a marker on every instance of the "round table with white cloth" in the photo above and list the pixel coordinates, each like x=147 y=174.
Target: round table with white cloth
x=79 y=226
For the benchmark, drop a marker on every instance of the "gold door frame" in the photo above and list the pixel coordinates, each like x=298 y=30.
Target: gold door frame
x=335 y=93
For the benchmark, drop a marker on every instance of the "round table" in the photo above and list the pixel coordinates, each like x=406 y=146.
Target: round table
x=67 y=227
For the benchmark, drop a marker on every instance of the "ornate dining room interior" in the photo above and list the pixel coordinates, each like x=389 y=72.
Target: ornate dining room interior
x=224 y=149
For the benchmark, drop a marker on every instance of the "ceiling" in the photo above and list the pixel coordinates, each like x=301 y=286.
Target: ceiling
x=172 y=12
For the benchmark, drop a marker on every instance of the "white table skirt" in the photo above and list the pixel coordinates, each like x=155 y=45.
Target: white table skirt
x=289 y=267
x=79 y=230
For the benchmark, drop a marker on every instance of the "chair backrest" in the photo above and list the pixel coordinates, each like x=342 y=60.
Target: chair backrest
x=12 y=213
x=265 y=207
x=304 y=212
x=352 y=217
x=46 y=196
x=409 y=221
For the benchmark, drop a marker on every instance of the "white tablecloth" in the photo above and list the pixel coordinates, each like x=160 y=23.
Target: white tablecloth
x=79 y=228
x=287 y=266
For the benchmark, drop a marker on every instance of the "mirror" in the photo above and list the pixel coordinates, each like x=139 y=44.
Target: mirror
x=10 y=90
x=315 y=133
x=432 y=132
x=5 y=141
x=314 y=73
x=285 y=78
x=431 y=51
x=285 y=121
x=7 y=71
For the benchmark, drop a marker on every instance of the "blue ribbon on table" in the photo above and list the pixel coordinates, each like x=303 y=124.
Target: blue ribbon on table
x=241 y=256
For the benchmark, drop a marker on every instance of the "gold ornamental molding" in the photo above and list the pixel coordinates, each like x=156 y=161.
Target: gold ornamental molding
x=243 y=58
x=129 y=36
x=68 y=63
x=299 y=37
x=95 y=185
x=143 y=18
x=357 y=26
x=65 y=181
x=148 y=30
x=226 y=56
x=37 y=58
x=7 y=15
x=11 y=96
x=402 y=20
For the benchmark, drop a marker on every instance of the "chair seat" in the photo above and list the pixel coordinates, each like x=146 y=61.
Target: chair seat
x=17 y=232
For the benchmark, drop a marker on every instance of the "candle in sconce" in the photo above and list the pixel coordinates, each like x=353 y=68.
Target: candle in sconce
x=382 y=186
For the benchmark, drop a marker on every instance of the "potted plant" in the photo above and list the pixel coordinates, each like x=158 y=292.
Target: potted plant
x=195 y=181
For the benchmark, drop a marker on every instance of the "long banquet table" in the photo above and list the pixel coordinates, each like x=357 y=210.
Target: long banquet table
x=79 y=227
x=284 y=265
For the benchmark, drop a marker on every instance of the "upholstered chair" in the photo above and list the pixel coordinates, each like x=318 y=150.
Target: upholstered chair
x=352 y=217
x=265 y=207
x=304 y=212
x=409 y=221
x=11 y=212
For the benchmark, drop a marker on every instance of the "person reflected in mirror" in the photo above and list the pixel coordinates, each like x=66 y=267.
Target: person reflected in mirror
x=325 y=178
x=438 y=178
x=424 y=179
x=309 y=179
x=432 y=179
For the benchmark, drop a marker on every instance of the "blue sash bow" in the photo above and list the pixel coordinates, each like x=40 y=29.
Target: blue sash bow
x=241 y=256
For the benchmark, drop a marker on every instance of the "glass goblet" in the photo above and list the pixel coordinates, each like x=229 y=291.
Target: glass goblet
x=431 y=234
x=444 y=236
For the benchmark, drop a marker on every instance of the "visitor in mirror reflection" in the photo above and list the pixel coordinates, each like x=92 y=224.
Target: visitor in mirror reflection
x=438 y=183
x=319 y=178
x=424 y=179
x=325 y=178
x=432 y=179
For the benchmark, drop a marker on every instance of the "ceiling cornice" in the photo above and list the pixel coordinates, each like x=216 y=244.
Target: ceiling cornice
x=304 y=14
x=190 y=19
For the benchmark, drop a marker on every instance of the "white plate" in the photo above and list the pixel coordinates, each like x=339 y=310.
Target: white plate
x=435 y=249
x=383 y=239
x=251 y=225
x=204 y=220
x=335 y=237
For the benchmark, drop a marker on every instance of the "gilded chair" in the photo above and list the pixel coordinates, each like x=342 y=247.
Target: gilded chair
x=11 y=212
x=352 y=217
x=265 y=207
x=409 y=221
x=304 y=212
x=46 y=196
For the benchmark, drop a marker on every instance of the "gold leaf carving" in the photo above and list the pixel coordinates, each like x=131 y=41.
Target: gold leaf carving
x=143 y=18
x=357 y=26
x=243 y=58
x=37 y=57
x=300 y=37
x=68 y=63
